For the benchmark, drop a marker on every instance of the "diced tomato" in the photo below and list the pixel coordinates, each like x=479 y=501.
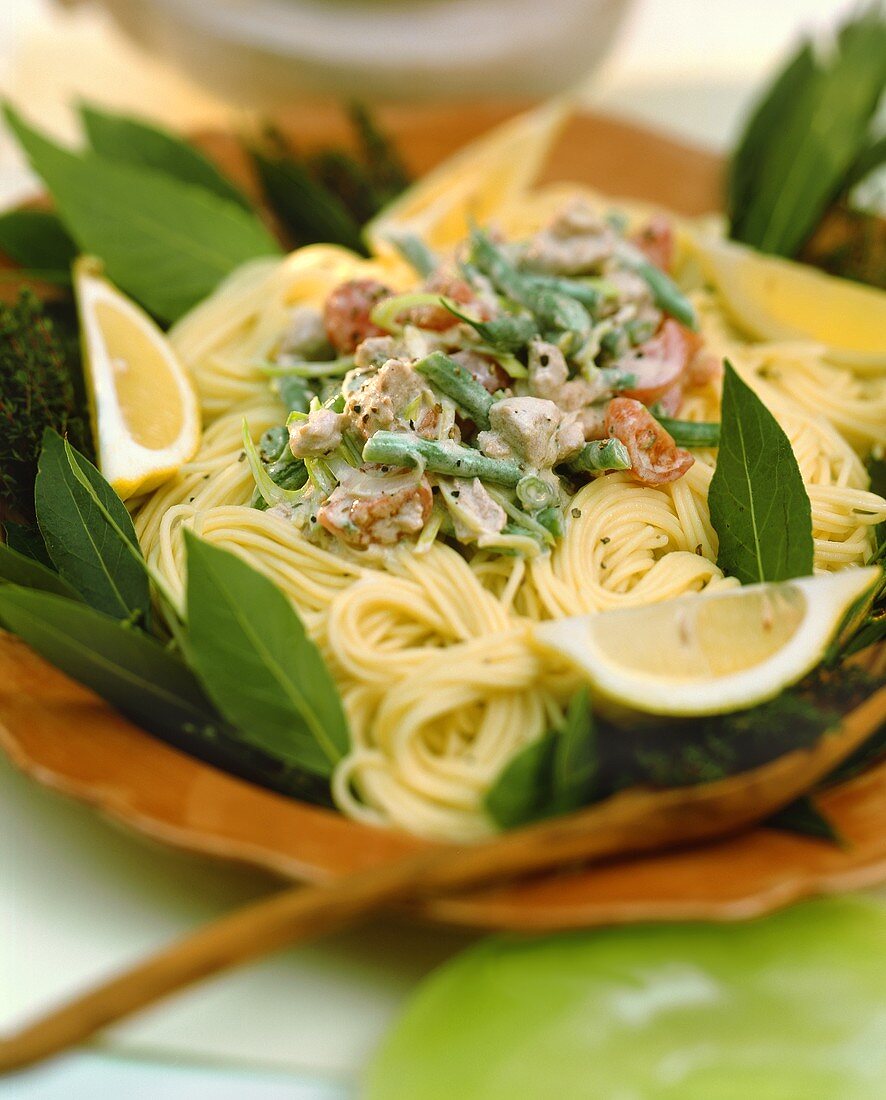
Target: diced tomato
x=655 y=457
x=436 y=317
x=346 y=313
x=656 y=241
x=660 y=363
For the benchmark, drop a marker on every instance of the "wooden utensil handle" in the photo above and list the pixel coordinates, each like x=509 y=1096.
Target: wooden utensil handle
x=634 y=821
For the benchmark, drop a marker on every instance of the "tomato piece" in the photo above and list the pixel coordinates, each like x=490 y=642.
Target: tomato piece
x=660 y=363
x=656 y=241
x=346 y=313
x=655 y=457
x=437 y=318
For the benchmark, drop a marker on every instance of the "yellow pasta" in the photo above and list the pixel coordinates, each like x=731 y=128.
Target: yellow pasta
x=431 y=650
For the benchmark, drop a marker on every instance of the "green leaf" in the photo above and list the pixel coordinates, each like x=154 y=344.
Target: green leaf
x=126 y=667
x=38 y=240
x=133 y=141
x=759 y=506
x=876 y=468
x=308 y=210
x=250 y=650
x=16 y=568
x=518 y=793
x=805 y=818
x=553 y=775
x=28 y=542
x=809 y=129
x=575 y=763
x=99 y=557
x=166 y=243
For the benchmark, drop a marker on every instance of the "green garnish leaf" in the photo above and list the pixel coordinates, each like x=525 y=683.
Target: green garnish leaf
x=166 y=243
x=309 y=211
x=16 y=568
x=126 y=667
x=38 y=240
x=133 y=141
x=805 y=818
x=876 y=468
x=553 y=775
x=98 y=556
x=517 y=795
x=759 y=505
x=251 y=651
x=806 y=133
x=28 y=542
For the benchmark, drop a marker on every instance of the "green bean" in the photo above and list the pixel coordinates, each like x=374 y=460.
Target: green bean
x=452 y=379
x=443 y=457
x=507 y=333
x=273 y=444
x=555 y=310
x=691 y=433
x=600 y=455
x=535 y=493
x=294 y=392
x=552 y=519
x=415 y=252
x=589 y=291
x=665 y=292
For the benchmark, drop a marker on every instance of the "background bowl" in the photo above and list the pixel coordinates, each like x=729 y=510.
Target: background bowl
x=263 y=52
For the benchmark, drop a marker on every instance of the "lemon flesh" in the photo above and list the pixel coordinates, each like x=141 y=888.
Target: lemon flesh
x=145 y=414
x=709 y=654
x=775 y=299
x=472 y=184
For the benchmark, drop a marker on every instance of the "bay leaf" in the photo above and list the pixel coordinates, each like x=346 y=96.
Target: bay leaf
x=166 y=243
x=98 y=557
x=759 y=505
x=251 y=651
x=134 y=141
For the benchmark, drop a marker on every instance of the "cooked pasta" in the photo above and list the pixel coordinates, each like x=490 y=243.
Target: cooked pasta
x=430 y=643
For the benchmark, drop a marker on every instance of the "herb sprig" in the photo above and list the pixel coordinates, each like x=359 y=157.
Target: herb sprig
x=810 y=139
x=759 y=505
x=252 y=694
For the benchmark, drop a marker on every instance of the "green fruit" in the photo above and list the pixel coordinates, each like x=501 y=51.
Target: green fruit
x=790 y=1007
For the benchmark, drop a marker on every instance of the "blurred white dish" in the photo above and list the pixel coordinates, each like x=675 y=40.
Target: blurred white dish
x=261 y=52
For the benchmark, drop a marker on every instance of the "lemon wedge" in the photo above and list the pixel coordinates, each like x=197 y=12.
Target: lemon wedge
x=709 y=654
x=775 y=299
x=145 y=416
x=473 y=183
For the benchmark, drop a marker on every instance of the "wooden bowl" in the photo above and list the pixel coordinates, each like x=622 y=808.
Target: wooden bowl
x=68 y=739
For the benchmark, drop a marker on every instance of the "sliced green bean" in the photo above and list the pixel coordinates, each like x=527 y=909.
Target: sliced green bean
x=665 y=292
x=600 y=455
x=294 y=392
x=691 y=433
x=507 y=333
x=415 y=252
x=273 y=444
x=458 y=383
x=443 y=457
x=555 y=310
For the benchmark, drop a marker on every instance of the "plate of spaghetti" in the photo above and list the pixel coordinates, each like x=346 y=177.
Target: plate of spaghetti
x=511 y=513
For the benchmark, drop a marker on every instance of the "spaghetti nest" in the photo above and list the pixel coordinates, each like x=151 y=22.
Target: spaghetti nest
x=432 y=649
